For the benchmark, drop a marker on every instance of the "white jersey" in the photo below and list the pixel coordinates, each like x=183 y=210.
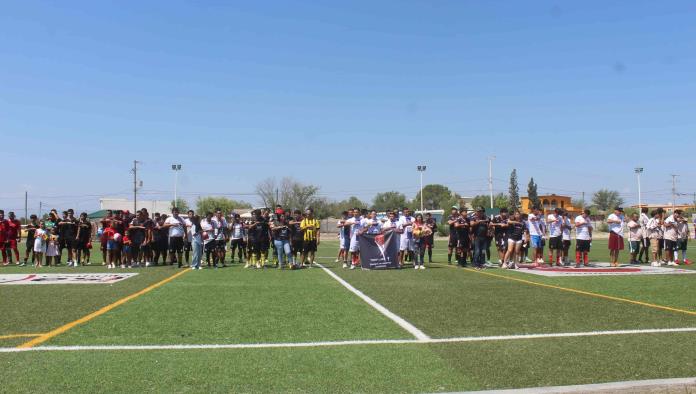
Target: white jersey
x=616 y=228
x=533 y=225
x=566 y=229
x=635 y=232
x=671 y=231
x=554 y=222
x=643 y=221
x=356 y=224
x=220 y=226
x=208 y=229
x=405 y=224
x=582 y=228
x=391 y=225
x=189 y=229
x=177 y=228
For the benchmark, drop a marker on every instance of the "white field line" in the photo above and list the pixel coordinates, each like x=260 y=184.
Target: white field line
x=348 y=343
x=420 y=335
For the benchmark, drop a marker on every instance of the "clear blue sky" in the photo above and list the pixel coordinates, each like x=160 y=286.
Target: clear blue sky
x=350 y=96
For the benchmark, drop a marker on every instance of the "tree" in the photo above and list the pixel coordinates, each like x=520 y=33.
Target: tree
x=605 y=200
x=513 y=192
x=227 y=205
x=287 y=192
x=388 y=200
x=577 y=203
x=500 y=200
x=437 y=196
x=181 y=204
x=532 y=194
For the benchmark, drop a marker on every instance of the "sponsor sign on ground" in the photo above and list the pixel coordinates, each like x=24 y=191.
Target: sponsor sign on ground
x=54 y=279
x=602 y=269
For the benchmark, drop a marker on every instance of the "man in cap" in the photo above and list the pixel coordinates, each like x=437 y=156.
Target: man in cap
x=616 y=229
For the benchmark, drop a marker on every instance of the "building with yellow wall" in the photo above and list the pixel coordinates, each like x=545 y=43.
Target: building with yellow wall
x=549 y=202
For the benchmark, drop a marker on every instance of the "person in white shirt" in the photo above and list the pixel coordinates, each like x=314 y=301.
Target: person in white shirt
x=671 y=235
x=187 y=241
x=535 y=235
x=635 y=237
x=220 y=236
x=654 y=228
x=343 y=239
x=555 y=223
x=407 y=245
x=682 y=242
x=177 y=230
x=236 y=229
x=645 y=241
x=616 y=241
x=566 y=227
x=356 y=225
x=208 y=235
x=583 y=238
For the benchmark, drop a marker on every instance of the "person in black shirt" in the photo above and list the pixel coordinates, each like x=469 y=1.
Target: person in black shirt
x=67 y=229
x=429 y=240
x=452 y=244
x=83 y=238
x=281 y=239
x=516 y=232
x=463 y=239
x=297 y=235
x=500 y=227
x=479 y=229
x=31 y=234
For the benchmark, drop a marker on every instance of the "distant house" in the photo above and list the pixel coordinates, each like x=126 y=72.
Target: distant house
x=549 y=202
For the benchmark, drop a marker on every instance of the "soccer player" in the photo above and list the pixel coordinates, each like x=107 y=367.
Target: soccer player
x=108 y=235
x=310 y=226
x=500 y=228
x=237 y=238
x=566 y=227
x=516 y=231
x=138 y=231
x=682 y=241
x=655 y=234
x=3 y=237
x=671 y=235
x=188 y=238
x=177 y=230
x=297 y=235
x=208 y=235
x=635 y=237
x=119 y=226
x=220 y=236
x=343 y=240
x=616 y=229
x=406 y=246
x=452 y=242
x=535 y=234
x=555 y=221
x=67 y=229
x=463 y=237
x=263 y=236
x=583 y=238
x=31 y=236
x=645 y=240
x=429 y=240
x=356 y=224
x=13 y=236
x=82 y=239
x=105 y=222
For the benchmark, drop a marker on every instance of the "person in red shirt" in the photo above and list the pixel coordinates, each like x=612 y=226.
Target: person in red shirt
x=3 y=236
x=13 y=236
x=105 y=222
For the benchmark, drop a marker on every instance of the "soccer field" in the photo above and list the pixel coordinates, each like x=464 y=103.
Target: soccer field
x=334 y=330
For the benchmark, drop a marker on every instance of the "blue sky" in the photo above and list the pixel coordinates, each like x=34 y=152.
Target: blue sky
x=350 y=96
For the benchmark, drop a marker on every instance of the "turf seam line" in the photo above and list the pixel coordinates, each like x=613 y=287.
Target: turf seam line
x=45 y=337
x=351 y=342
x=413 y=330
x=577 y=291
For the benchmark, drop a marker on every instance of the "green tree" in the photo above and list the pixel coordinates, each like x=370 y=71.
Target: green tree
x=480 y=201
x=513 y=192
x=436 y=196
x=181 y=204
x=288 y=192
x=532 y=194
x=605 y=200
x=500 y=200
x=210 y=204
x=388 y=200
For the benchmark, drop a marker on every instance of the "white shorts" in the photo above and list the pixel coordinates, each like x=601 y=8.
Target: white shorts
x=354 y=245
x=39 y=246
x=513 y=242
x=407 y=244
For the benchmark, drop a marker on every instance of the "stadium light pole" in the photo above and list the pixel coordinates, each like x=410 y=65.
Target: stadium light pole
x=639 y=170
x=421 y=169
x=176 y=168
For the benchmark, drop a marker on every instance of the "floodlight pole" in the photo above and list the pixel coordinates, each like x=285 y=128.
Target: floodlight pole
x=421 y=169
x=638 y=171
x=176 y=168
x=490 y=178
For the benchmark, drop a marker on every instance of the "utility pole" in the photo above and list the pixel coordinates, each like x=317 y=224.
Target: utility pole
x=674 y=189
x=490 y=178
x=26 y=208
x=135 y=185
x=583 y=201
x=421 y=170
x=40 y=206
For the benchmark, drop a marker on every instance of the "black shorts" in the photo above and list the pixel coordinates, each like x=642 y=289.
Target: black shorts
x=452 y=243
x=176 y=244
x=81 y=244
x=556 y=243
x=210 y=246
x=670 y=245
x=682 y=244
x=30 y=244
x=501 y=243
x=582 y=245
x=237 y=243
x=463 y=243
x=297 y=246
x=309 y=246
x=263 y=244
x=566 y=245
x=65 y=242
x=187 y=246
x=220 y=244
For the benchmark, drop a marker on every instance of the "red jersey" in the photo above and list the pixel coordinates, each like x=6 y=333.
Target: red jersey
x=109 y=233
x=3 y=231
x=12 y=228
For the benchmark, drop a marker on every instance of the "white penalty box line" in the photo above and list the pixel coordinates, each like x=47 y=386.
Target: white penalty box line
x=349 y=343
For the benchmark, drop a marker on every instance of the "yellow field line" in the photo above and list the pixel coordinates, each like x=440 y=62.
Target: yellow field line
x=45 y=337
x=576 y=291
x=12 y=336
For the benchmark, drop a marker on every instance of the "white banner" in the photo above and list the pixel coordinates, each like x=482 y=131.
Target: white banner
x=56 y=279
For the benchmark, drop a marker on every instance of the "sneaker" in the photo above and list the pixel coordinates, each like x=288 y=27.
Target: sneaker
x=336 y=261
x=500 y=261
x=672 y=264
x=246 y=265
x=578 y=265
x=345 y=265
x=422 y=267
x=527 y=260
x=687 y=262
x=148 y=264
x=258 y=265
x=654 y=264
x=123 y=266
x=415 y=267
x=352 y=267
